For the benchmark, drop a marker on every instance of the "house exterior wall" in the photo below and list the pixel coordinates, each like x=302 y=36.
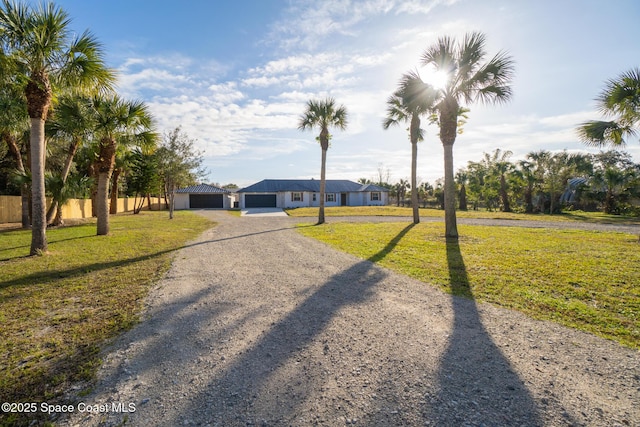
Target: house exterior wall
x=181 y=201
x=284 y=199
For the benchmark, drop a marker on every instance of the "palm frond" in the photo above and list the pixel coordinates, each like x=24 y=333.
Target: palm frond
x=597 y=133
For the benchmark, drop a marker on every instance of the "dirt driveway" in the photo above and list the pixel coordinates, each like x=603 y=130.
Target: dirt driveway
x=257 y=325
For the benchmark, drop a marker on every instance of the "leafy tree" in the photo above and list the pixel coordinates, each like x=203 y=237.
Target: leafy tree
x=620 y=100
x=469 y=79
x=412 y=99
x=39 y=44
x=143 y=177
x=323 y=115
x=179 y=163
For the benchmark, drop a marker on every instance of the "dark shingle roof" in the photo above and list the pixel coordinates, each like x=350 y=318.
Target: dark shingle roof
x=202 y=188
x=312 y=185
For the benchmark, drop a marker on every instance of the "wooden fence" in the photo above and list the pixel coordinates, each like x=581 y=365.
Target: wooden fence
x=11 y=207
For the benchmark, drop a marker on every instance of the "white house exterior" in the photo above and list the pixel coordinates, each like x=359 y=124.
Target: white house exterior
x=298 y=193
x=203 y=196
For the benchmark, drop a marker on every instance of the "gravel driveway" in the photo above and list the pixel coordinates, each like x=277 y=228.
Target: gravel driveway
x=255 y=324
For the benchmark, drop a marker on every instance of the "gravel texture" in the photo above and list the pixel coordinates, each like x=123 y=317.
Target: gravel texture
x=256 y=325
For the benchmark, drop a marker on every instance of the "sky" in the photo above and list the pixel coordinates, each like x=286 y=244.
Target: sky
x=236 y=75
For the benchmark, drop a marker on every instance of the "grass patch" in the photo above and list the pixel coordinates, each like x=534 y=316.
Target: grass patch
x=595 y=217
x=583 y=279
x=56 y=310
x=234 y=212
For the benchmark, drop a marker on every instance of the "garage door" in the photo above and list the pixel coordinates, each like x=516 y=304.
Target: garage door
x=205 y=201
x=260 y=201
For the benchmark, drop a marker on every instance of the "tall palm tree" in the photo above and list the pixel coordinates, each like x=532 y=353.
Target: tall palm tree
x=116 y=122
x=470 y=79
x=620 y=100
x=39 y=42
x=412 y=99
x=323 y=115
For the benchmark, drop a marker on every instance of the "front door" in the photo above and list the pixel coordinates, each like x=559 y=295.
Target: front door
x=343 y=199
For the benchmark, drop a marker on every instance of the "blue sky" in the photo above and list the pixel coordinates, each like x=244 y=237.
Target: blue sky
x=236 y=75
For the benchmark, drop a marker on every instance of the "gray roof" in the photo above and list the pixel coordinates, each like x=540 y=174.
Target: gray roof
x=202 y=188
x=311 y=185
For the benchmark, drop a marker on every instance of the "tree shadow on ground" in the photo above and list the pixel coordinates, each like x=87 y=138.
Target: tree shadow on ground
x=477 y=385
x=237 y=394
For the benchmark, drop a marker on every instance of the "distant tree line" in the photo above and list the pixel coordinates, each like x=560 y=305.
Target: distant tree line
x=543 y=182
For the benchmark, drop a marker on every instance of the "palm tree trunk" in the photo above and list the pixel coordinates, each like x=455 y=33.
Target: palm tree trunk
x=38 y=215
x=414 y=182
x=102 y=209
x=506 y=207
x=463 y=198
x=73 y=148
x=323 y=166
x=113 y=207
x=450 y=223
x=528 y=199
x=414 y=131
x=107 y=158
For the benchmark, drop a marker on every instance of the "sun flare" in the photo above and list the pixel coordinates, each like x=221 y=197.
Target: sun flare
x=437 y=79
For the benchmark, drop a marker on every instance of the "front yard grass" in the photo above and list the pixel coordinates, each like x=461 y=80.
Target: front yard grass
x=583 y=279
x=595 y=217
x=56 y=310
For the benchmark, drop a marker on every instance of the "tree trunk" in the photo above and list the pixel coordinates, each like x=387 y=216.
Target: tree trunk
x=323 y=166
x=415 y=128
x=448 y=133
x=38 y=200
x=463 y=198
x=106 y=161
x=102 y=208
x=73 y=148
x=113 y=207
x=528 y=200
x=171 y=204
x=503 y=195
x=451 y=228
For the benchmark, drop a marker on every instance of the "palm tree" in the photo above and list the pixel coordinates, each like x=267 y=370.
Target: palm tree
x=39 y=43
x=527 y=171
x=70 y=125
x=462 y=177
x=621 y=100
x=470 y=79
x=116 y=122
x=412 y=99
x=323 y=115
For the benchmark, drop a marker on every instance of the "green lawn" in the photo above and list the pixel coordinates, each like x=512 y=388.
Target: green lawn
x=596 y=217
x=586 y=280
x=56 y=310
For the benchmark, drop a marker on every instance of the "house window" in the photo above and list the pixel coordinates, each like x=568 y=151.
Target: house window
x=375 y=196
x=296 y=197
x=331 y=197
x=314 y=197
